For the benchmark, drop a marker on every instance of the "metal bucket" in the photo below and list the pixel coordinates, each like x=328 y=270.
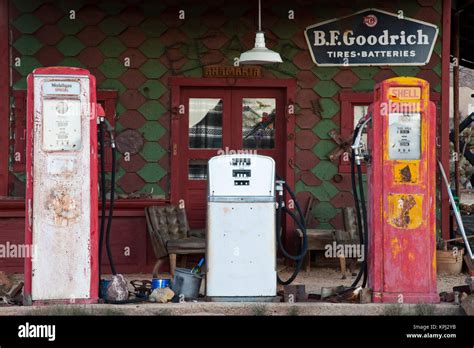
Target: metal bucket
x=186 y=284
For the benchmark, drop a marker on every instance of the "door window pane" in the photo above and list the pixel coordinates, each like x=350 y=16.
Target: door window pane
x=359 y=112
x=258 y=123
x=205 y=123
x=197 y=169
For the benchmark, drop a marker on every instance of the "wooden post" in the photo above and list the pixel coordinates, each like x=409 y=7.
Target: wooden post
x=444 y=146
x=4 y=97
x=457 y=153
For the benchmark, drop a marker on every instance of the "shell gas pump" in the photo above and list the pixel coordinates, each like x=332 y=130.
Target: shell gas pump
x=400 y=222
x=61 y=189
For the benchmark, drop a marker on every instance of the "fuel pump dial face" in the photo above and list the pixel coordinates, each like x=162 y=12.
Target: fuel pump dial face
x=404 y=136
x=61 y=125
x=62 y=107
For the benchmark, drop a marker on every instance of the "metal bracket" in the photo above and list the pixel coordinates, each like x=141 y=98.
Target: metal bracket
x=344 y=145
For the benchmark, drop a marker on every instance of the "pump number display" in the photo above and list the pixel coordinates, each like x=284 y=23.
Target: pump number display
x=404 y=136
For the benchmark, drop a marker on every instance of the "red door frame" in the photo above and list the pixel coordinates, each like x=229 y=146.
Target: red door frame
x=194 y=191
x=289 y=89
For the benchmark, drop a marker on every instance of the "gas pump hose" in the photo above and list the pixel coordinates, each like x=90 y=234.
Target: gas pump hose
x=301 y=225
x=364 y=222
x=103 y=228
x=357 y=207
x=360 y=216
x=102 y=195
x=107 y=228
x=111 y=210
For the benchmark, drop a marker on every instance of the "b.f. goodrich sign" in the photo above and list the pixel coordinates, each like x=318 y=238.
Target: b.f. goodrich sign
x=371 y=37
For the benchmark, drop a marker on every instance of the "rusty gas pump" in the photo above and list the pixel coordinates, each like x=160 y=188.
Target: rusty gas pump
x=401 y=203
x=61 y=188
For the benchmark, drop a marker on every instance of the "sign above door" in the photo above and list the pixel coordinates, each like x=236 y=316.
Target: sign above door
x=371 y=37
x=247 y=71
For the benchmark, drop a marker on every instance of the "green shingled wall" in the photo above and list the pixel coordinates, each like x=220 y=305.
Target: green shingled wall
x=160 y=45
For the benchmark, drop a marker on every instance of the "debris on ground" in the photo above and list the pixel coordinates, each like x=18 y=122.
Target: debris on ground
x=5 y=284
x=295 y=293
x=470 y=282
x=446 y=296
x=14 y=296
x=366 y=295
x=345 y=295
x=459 y=293
x=469 y=264
x=161 y=295
x=141 y=288
x=466 y=209
x=468 y=305
x=117 y=289
x=462 y=288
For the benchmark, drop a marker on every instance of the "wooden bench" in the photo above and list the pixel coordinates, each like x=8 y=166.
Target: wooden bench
x=318 y=239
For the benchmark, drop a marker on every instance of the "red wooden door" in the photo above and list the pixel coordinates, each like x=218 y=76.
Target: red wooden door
x=225 y=120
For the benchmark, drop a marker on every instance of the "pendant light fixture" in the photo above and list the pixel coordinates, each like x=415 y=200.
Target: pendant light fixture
x=260 y=54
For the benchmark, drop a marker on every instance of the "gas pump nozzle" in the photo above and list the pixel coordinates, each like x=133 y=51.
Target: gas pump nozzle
x=357 y=146
x=110 y=130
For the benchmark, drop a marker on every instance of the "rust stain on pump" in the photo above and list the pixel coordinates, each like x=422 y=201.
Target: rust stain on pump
x=405 y=174
x=395 y=247
x=406 y=203
x=62 y=206
x=405 y=210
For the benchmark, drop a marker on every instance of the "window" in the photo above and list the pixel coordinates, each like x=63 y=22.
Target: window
x=205 y=123
x=258 y=120
x=354 y=106
x=197 y=169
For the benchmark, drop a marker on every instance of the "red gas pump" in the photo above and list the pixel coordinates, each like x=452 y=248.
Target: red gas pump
x=401 y=177
x=61 y=188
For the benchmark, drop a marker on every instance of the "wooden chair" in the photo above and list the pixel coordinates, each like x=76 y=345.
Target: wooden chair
x=170 y=235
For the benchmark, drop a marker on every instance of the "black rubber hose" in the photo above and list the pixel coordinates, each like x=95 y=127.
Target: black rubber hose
x=302 y=226
x=278 y=228
x=293 y=197
x=102 y=194
x=111 y=211
x=357 y=208
x=300 y=222
x=297 y=270
x=364 y=217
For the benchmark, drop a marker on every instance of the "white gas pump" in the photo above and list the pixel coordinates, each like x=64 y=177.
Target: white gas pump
x=241 y=242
